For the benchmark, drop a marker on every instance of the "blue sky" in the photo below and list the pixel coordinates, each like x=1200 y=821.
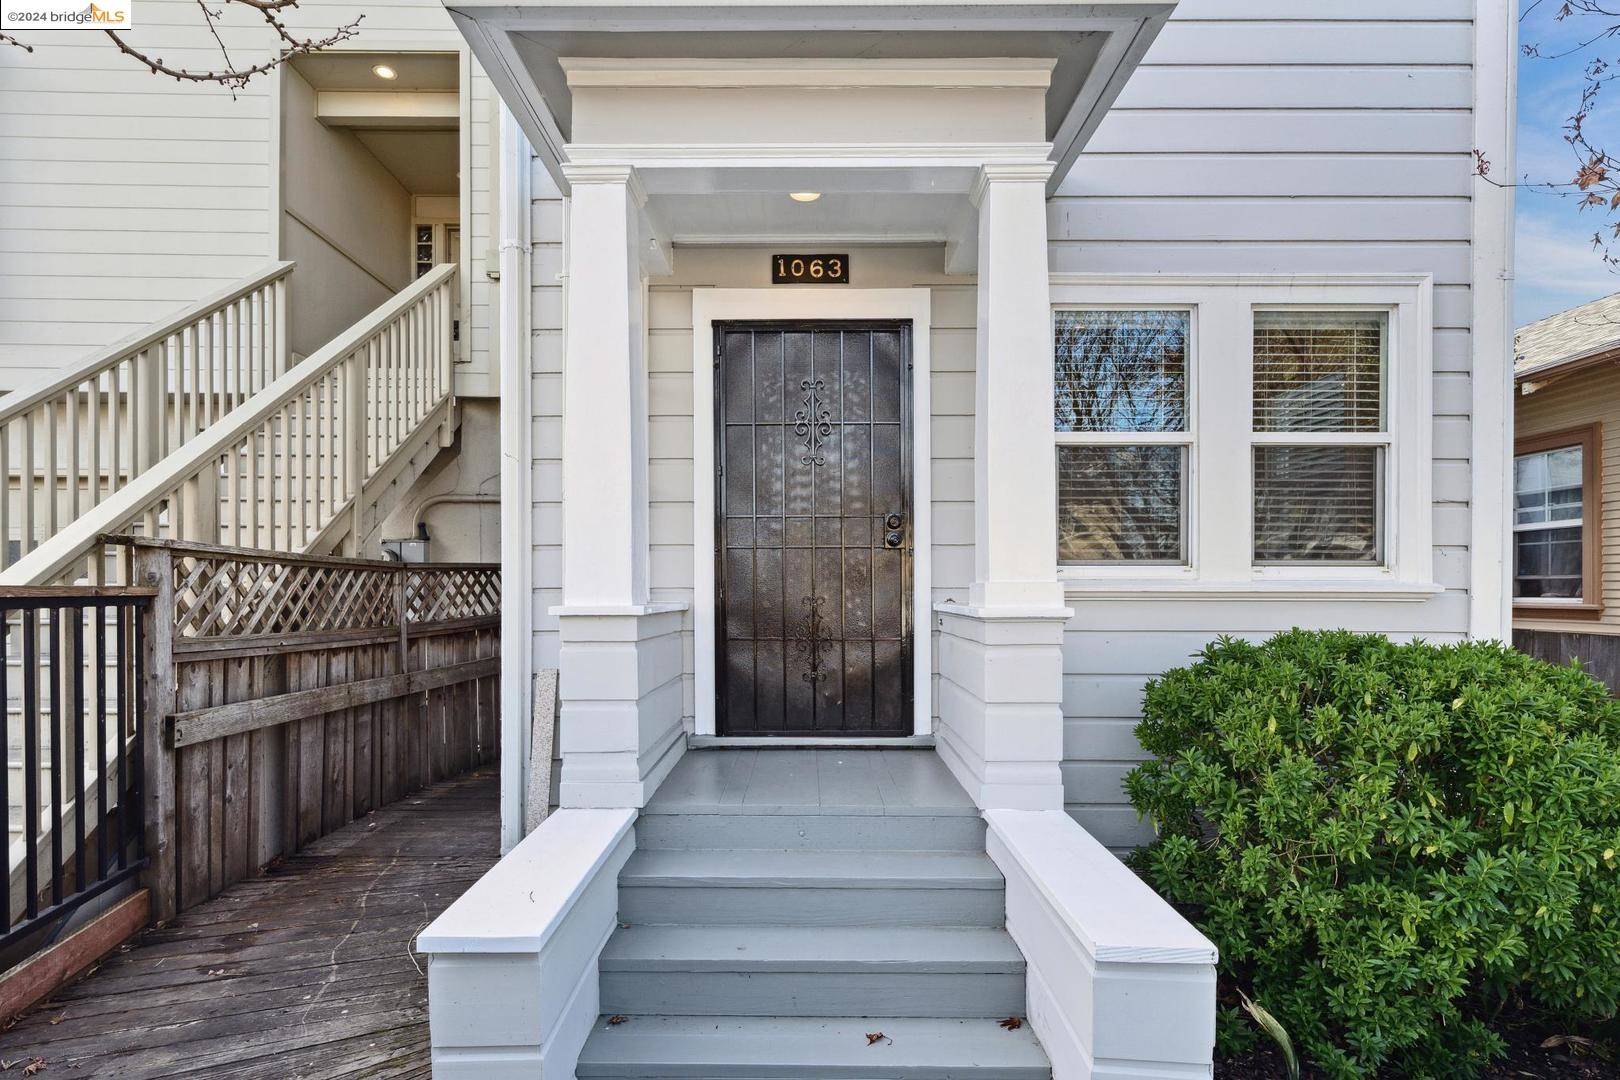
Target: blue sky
x=1556 y=267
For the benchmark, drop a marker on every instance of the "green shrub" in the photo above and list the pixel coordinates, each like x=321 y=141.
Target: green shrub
x=1387 y=841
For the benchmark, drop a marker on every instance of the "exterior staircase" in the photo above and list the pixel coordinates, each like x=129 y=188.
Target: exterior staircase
x=202 y=428
x=760 y=940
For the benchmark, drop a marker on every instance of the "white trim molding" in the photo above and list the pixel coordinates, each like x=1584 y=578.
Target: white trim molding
x=1219 y=563
x=1109 y=962
x=807 y=73
x=534 y=82
x=1490 y=613
x=710 y=306
x=513 y=963
x=517 y=464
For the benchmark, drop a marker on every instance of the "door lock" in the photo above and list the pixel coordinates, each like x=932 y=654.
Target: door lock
x=893 y=521
x=893 y=538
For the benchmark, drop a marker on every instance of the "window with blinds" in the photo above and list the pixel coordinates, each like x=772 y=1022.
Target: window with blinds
x=1318 y=371
x=1123 y=435
x=1549 y=524
x=1320 y=436
x=1119 y=503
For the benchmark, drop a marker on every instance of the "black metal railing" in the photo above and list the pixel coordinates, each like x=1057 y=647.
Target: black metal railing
x=74 y=728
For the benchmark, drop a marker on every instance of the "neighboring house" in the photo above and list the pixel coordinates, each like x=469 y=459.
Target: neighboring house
x=914 y=377
x=1566 y=477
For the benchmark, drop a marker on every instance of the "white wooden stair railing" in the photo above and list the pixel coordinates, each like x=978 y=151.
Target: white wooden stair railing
x=81 y=434
x=300 y=466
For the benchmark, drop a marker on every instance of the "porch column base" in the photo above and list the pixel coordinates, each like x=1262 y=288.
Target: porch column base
x=621 y=730
x=1001 y=703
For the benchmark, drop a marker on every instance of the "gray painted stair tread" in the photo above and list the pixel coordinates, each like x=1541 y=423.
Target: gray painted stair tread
x=793 y=948
x=721 y=1046
x=811 y=831
x=781 y=809
x=792 y=781
x=698 y=867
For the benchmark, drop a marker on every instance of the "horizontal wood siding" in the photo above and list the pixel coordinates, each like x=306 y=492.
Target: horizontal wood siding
x=546 y=264
x=1263 y=136
x=125 y=196
x=1254 y=139
x=1590 y=397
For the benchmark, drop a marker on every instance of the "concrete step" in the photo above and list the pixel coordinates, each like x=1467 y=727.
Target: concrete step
x=788 y=830
x=803 y=971
x=815 y=888
x=800 y=1048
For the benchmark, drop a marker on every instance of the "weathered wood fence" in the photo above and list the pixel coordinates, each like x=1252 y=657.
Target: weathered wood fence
x=290 y=695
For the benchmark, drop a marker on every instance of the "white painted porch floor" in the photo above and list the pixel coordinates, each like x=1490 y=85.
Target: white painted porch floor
x=814 y=781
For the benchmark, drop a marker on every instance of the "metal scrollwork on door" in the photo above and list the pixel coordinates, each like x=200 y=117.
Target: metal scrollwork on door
x=814 y=588
x=809 y=637
x=813 y=422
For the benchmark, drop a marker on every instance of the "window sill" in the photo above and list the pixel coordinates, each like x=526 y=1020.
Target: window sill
x=1557 y=611
x=1298 y=589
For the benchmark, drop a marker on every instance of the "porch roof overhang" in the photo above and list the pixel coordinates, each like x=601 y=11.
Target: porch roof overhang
x=528 y=48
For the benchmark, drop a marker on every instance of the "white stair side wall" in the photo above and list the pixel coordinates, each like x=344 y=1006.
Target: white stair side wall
x=512 y=971
x=1110 y=963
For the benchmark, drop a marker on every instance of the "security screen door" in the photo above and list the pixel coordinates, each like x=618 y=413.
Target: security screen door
x=813 y=537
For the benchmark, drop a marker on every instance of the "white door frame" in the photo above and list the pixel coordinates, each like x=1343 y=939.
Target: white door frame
x=710 y=306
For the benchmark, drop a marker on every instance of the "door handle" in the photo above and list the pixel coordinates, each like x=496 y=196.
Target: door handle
x=893 y=538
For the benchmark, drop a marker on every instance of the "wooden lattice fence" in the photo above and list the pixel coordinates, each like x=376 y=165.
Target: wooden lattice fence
x=299 y=693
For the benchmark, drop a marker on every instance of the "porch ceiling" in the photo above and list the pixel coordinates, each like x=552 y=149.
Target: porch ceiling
x=1094 y=48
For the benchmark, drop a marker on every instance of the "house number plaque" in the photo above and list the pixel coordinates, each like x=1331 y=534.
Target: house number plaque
x=809 y=269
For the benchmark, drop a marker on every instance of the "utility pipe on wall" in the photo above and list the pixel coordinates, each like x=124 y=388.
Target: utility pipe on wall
x=517 y=631
x=450 y=498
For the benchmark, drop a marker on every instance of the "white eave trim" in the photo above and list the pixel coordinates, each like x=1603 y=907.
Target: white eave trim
x=1130 y=26
x=808 y=155
x=994 y=72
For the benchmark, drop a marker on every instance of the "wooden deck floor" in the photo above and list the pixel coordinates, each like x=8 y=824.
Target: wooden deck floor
x=304 y=972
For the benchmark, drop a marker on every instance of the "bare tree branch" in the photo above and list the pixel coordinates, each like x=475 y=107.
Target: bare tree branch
x=233 y=75
x=1594 y=182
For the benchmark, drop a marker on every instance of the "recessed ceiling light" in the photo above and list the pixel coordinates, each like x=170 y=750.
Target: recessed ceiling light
x=804 y=196
x=383 y=71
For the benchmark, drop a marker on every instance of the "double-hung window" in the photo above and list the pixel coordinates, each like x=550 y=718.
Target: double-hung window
x=1241 y=433
x=1555 y=526
x=1123 y=434
x=1321 y=438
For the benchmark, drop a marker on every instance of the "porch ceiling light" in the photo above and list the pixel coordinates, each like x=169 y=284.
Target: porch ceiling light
x=383 y=71
x=804 y=196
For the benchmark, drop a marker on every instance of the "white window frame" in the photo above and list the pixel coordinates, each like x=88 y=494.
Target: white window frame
x=1220 y=485
x=1187 y=438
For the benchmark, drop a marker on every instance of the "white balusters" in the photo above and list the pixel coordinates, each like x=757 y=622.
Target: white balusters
x=74 y=439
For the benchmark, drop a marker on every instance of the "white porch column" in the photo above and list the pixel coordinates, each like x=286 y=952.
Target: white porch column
x=620 y=660
x=1001 y=656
